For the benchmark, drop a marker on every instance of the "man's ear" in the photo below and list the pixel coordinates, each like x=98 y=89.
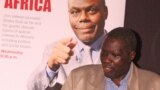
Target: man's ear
x=105 y=12
x=132 y=55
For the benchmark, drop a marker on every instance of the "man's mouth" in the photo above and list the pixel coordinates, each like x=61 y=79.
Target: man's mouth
x=107 y=68
x=86 y=29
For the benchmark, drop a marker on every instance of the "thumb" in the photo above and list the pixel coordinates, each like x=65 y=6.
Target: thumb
x=72 y=43
x=66 y=41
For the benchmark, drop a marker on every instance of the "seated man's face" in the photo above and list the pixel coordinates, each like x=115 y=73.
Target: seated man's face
x=115 y=58
x=87 y=18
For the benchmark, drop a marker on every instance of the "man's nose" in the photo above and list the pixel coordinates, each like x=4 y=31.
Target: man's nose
x=84 y=17
x=108 y=59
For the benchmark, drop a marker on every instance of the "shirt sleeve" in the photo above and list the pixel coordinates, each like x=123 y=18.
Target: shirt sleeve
x=51 y=74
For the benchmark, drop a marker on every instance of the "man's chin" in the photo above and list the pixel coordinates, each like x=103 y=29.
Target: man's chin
x=108 y=75
x=86 y=40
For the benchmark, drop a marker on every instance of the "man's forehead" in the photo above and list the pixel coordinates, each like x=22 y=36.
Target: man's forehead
x=77 y=3
x=113 y=40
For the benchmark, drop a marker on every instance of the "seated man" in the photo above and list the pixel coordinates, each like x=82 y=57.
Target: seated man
x=117 y=71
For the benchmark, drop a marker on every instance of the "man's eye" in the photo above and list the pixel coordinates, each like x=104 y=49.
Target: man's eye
x=116 y=56
x=93 y=11
x=74 y=12
x=104 y=53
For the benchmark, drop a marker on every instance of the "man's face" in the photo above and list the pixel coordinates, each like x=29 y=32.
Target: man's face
x=87 y=19
x=116 y=58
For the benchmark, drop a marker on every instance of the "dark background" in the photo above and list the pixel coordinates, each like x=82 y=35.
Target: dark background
x=144 y=17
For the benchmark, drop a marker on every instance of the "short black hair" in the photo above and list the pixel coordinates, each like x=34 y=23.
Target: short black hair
x=126 y=34
x=104 y=2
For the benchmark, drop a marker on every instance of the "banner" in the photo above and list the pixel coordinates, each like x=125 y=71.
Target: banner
x=27 y=26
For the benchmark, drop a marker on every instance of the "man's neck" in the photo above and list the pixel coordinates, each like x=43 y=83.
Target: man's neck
x=118 y=80
x=124 y=76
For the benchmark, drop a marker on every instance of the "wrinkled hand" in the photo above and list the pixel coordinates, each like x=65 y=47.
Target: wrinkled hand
x=61 y=53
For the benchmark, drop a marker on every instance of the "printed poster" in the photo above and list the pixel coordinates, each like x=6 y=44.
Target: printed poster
x=28 y=26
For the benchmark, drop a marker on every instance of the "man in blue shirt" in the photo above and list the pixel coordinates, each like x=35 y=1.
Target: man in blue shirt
x=117 y=71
